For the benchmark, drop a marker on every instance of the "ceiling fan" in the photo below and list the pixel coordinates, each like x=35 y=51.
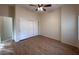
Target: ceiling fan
x=40 y=7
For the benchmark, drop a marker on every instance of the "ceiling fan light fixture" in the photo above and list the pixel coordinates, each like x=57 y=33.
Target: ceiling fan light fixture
x=40 y=9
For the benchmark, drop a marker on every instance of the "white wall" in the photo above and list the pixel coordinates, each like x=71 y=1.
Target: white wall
x=69 y=25
x=50 y=24
x=23 y=13
x=39 y=23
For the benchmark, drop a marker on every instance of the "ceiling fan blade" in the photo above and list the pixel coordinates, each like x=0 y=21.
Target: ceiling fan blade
x=44 y=9
x=48 y=5
x=32 y=5
x=40 y=5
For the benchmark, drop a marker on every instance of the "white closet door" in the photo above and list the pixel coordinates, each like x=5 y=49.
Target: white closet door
x=26 y=28
x=30 y=28
x=69 y=25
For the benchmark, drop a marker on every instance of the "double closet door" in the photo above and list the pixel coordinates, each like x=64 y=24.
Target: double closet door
x=69 y=25
x=28 y=28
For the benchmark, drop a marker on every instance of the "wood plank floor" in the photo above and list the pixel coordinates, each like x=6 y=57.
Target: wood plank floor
x=40 y=45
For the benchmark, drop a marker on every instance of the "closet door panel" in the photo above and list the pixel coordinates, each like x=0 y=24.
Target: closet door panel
x=26 y=28
x=69 y=25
